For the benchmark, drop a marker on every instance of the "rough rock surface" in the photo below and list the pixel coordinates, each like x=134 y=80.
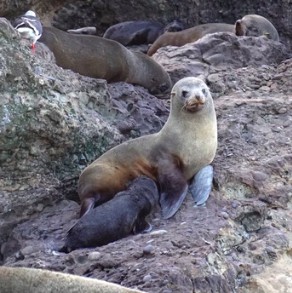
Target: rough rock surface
x=53 y=122
x=66 y=14
x=239 y=239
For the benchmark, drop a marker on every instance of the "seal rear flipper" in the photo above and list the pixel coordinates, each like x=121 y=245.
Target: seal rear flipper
x=86 y=205
x=142 y=226
x=201 y=185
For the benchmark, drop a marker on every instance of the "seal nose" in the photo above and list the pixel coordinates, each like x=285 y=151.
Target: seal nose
x=195 y=103
x=200 y=99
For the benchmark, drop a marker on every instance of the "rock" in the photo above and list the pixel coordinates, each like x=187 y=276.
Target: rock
x=220 y=50
x=95 y=255
x=148 y=249
x=54 y=122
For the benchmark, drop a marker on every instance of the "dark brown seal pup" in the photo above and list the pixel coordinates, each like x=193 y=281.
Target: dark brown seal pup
x=256 y=25
x=188 y=35
x=172 y=157
x=30 y=280
x=117 y=218
x=100 y=58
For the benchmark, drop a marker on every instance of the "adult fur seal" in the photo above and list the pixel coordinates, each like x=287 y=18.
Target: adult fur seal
x=185 y=145
x=30 y=280
x=256 y=25
x=101 y=58
x=117 y=218
x=139 y=32
x=188 y=35
x=135 y=32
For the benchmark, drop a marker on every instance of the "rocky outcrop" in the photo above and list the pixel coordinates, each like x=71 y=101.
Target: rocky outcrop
x=53 y=122
x=219 y=52
x=66 y=14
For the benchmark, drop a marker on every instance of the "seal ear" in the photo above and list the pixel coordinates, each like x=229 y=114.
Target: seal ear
x=173 y=185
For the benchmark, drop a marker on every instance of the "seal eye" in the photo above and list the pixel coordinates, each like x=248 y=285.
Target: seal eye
x=184 y=94
x=204 y=92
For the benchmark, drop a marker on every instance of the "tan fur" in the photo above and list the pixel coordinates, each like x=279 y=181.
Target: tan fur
x=188 y=35
x=190 y=138
x=101 y=58
x=28 y=280
x=256 y=25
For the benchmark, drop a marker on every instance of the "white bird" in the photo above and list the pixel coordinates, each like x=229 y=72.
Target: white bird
x=29 y=26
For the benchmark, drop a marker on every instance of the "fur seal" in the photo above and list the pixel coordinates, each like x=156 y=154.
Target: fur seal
x=26 y=280
x=186 y=143
x=117 y=218
x=101 y=58
x=139 y=32
x=188 y=35
x=256 y=25
x=136 y=32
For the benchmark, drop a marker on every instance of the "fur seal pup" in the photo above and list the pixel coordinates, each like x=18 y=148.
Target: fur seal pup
x=31 y=280
x=188 y=35
x=101 y=58
x=186 y=143
x=117 y=218
x=256 y=25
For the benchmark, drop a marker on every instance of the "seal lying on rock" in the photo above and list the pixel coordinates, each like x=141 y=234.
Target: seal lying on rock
x=136 y=32
x=101 y=58
x=30 y=280
x=186 y=144
x=256 y=25
x=188 y=35
x=117 y=218
x=139 y=32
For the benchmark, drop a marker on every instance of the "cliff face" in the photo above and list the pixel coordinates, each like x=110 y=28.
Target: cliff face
x=53 y=122
x=102 y=13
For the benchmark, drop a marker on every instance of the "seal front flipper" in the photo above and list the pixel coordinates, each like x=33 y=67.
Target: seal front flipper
x=173 y=185
x=201 y=185
x=171 y=200
x=86 y=205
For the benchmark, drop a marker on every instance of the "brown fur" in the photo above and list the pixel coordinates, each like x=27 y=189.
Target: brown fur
x=188 y=35
x=101 y=58
x=188 y=137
